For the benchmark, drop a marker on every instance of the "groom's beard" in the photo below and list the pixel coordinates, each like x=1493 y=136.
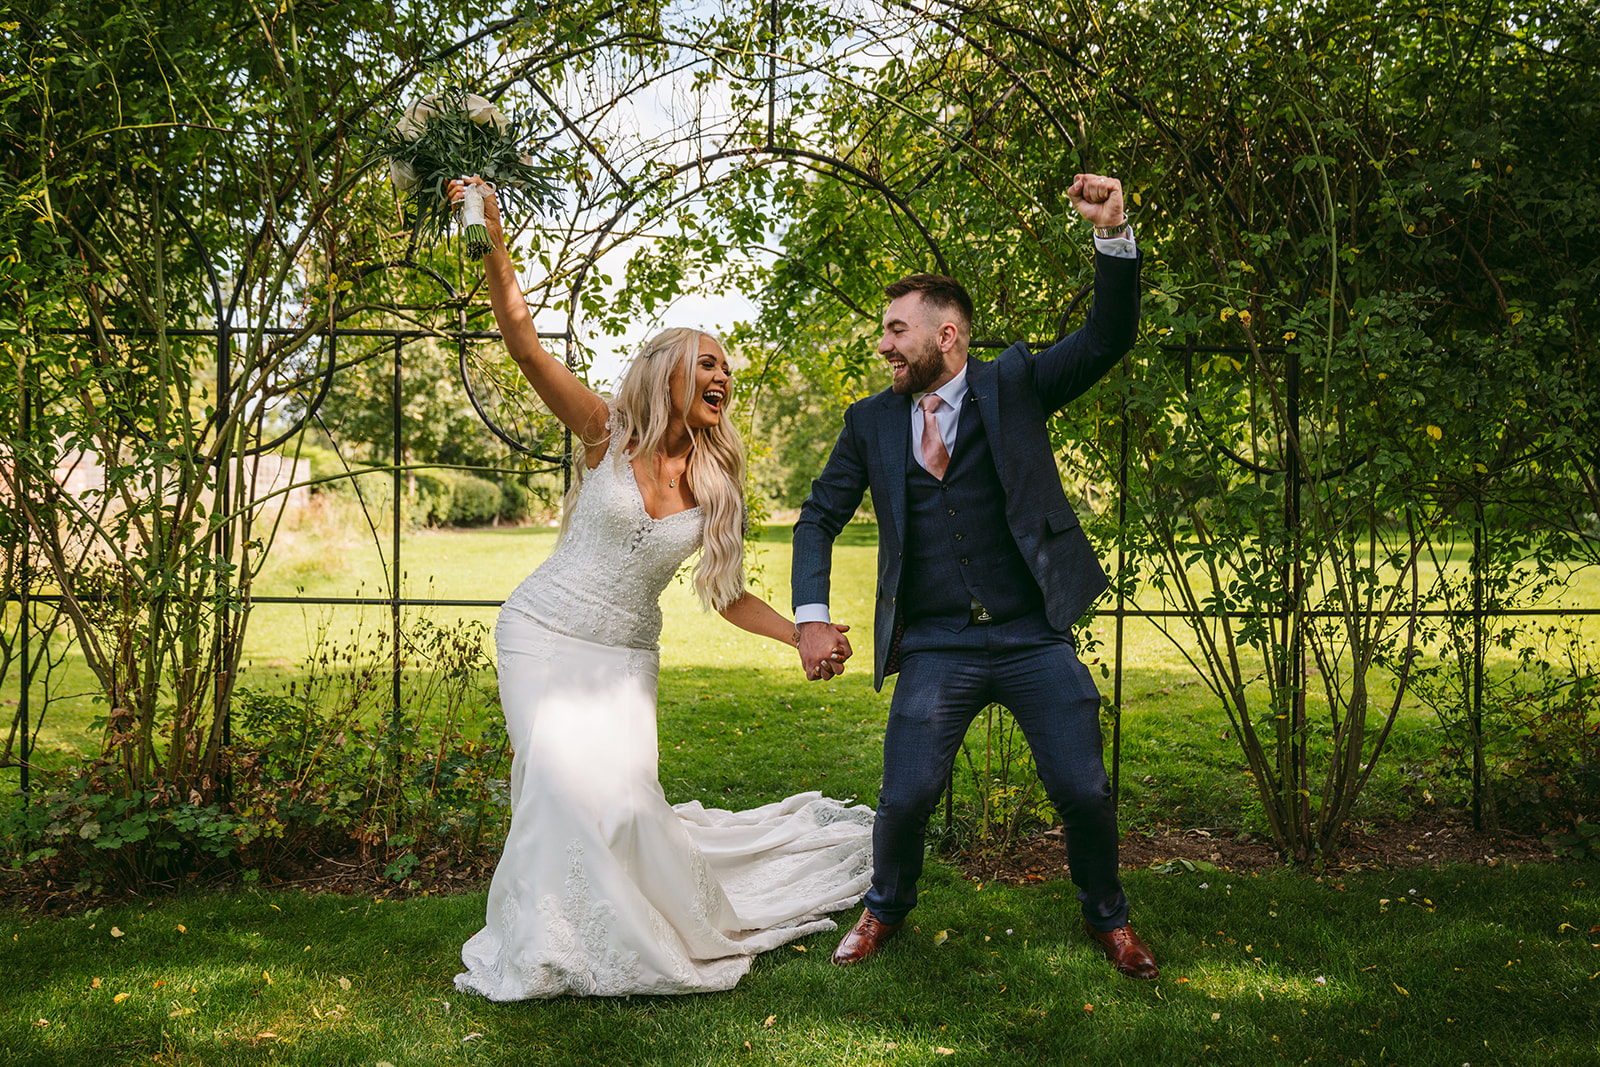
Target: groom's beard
x=922 y=370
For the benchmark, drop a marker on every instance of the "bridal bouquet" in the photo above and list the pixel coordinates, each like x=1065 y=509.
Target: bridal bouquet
x=454 y=134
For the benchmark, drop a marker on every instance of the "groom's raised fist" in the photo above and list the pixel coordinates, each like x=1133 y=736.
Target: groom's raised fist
x=1098 y=199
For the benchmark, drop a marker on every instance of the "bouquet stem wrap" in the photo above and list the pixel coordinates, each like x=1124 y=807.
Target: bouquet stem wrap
x=472 y=221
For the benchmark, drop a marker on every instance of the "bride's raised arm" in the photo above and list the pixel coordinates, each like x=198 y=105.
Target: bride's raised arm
x=579 y=408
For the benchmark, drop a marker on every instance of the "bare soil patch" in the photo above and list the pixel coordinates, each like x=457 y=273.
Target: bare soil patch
x=1431 y=841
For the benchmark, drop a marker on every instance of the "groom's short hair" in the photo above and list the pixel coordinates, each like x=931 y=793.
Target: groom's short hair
x=939 y=290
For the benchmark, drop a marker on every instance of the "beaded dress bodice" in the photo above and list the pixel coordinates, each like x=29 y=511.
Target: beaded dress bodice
x=603 y=583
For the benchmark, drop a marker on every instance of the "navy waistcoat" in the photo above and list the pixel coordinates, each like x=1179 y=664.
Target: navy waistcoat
x=958 y=545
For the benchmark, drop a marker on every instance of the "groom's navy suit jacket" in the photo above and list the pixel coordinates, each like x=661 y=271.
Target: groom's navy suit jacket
x=1015 y=394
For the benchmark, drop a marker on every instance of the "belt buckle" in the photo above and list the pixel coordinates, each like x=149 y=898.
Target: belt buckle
x=980 y=615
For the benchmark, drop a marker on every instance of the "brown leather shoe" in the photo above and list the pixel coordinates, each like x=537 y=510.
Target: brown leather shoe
x=1125 y=951
x=865 y=938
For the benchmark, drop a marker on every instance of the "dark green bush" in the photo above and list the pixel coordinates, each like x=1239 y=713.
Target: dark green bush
x=474 y=501
x=1551 y=782
x=516 y=501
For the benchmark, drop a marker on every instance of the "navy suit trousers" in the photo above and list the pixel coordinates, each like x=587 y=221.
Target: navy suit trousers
x=946 y=678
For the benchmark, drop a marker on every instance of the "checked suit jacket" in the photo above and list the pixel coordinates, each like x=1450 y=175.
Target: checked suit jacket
x=1016 y=394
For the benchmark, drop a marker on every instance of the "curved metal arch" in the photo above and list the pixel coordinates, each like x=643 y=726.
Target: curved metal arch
x=326 y=383
x=636 y=195
x=563 y=460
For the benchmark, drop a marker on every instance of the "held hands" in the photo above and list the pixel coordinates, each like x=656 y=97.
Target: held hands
x=823 y=649
x=455 y=192
x=1098 y=199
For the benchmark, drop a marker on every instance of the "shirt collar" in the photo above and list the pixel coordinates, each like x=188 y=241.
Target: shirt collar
x=950 y=392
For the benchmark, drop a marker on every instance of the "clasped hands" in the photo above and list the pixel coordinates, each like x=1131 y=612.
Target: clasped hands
x=823 y=649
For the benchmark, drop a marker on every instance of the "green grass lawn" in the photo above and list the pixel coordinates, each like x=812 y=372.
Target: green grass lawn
x=1452 y=966
x=1430 y=967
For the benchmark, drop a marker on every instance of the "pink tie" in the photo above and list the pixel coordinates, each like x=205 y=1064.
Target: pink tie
x=934 y=455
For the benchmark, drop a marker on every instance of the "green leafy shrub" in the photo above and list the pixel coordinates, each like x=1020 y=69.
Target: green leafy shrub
x=516 y=501
x=323 y=767
x=1551 y=782
x=474 y=501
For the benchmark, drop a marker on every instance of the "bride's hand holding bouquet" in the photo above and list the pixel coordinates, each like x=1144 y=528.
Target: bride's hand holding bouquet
x=443 y=138
x=475 y=197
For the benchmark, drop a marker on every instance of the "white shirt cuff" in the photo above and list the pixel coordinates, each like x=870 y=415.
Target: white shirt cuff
x=811 y=613
x=1120 y=247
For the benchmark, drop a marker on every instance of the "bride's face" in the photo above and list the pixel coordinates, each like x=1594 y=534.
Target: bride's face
x=712 y=378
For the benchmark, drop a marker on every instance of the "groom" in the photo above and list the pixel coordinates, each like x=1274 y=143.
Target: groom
x=982 y=570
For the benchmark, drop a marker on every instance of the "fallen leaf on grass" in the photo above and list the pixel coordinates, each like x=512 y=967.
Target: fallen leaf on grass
x=941 y=937
x=799 y=948
x=115 y=932
x=178 y=1013
x=94 y=983
x=770 y=1020
x=941 y=1050
x=344 y=983
x=268 y=1035
x=471 y=1037
x=182 y=929
x=42 y=1022
x=267 y=976
x=1088 y=1007
x=120 y=997
x=1400 y=987
x=1216 y=1015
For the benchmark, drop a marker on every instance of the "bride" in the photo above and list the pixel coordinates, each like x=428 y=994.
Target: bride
x=604 y=888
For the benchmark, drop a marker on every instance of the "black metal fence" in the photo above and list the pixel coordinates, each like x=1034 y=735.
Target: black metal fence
x=394 y=341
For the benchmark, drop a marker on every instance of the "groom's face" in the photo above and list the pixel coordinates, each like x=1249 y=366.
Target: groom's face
x=910 y=345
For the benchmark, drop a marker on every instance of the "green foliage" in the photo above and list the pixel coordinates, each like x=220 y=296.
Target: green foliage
x=321 y=768
x=1551 y=778
x=1369 y=325
x=997 y=799
x=454 y=498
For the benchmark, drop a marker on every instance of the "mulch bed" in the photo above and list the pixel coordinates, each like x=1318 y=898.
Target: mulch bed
x=1423 y=841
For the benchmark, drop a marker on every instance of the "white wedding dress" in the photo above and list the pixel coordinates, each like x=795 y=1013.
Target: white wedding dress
x=605 y=889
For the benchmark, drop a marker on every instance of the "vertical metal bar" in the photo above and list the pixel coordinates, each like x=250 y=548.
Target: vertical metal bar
x=566 y=433
x=24 y=574
x=1294 y=622
x=1479 y=546
x=394 y=581
x=1122 y=602
x=772 y=70
x=223 y=543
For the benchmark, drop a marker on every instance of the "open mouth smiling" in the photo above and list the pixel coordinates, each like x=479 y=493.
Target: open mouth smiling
x=713 y=398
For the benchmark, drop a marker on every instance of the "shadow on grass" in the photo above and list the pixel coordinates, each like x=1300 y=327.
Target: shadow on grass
x=1485 y=973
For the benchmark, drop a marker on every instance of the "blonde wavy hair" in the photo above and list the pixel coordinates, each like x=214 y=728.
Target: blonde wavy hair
x=641 y=412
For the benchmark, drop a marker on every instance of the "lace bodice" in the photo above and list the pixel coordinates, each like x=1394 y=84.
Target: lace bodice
x=603 y=583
